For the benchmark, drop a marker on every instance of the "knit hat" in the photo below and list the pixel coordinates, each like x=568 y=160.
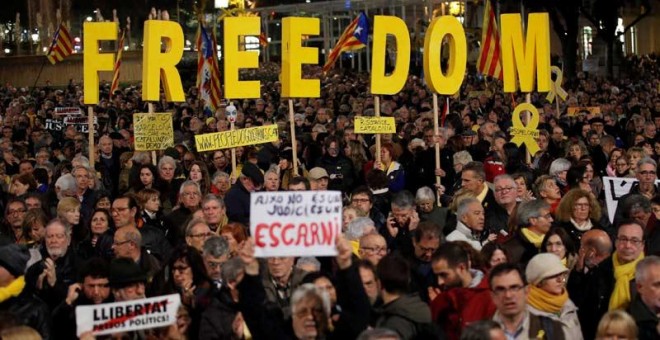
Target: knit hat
x=543 y=266
x=14 y=259
x=125 y=271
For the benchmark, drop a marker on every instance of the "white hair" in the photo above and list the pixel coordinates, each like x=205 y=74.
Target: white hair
x=309 y=290
x=357 y=226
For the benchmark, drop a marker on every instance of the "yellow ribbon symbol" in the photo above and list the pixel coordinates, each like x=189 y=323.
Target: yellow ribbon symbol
x=526 y=134
x=556 y=88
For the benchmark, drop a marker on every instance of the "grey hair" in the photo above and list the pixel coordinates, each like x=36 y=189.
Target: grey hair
x=67 y=228
x=310 y=260
x=308 y=290
x=559 y=165
x=403 y=199
x=142 y=157
x=189 y=183
x=192 y=223
x=211 y=197
x=647 y=160
x=215 y=246
x=505 y=177
x=644 y=265
x=232 y=269
x=424 y=194
x=529 y=210
x=65 y=183
x=463 y=206
x=462 y=157
x=84 y=161
x=357 y=226
x=135 y=237
x=274 y=170
x=166 y=160
x=218 y=175
x=379 y=334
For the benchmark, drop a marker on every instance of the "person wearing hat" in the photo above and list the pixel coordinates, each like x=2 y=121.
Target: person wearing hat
x=548 y=296
x=318 y=179
x=238 y=198
x=127 y=280
x=15 y=298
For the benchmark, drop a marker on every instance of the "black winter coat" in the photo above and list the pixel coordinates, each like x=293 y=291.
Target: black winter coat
x=591 y=293
x=30 y=311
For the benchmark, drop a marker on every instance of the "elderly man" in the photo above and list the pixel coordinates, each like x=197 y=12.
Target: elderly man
x=645 y=308
x=470 y=224
x=402 y=220
x=124 y=213
x=629 y=244
x=215 y=213
x=372 y=248
x=127 y=280
x=127 y=244
x=21 y=304
x=215 y=252
x=318 y=179
x=646 y=176
x=169 y=186
x=356 y=229
x=238 y=197
x=189 y=199
x=534 y=221
x=108 y=165
x=594 y=270
x=197 y=232
x=497 y=218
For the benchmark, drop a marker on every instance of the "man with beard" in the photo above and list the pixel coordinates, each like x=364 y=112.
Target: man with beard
x=13 y=228
x=93 y=289
x=462 y=295
x=339 y=167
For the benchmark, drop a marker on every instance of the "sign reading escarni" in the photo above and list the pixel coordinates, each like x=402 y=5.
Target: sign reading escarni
x=295 y=223
x=375 y=124
x=119 y=317
x=236 y=138
x=153 y=131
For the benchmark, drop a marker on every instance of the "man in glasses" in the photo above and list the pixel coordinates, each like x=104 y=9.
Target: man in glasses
x=535 y=220
x=509 y=292
x=646 y=175
x=629 y=245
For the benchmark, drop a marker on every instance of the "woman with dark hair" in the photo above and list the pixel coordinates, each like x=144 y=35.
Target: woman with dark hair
x=622 y=166
x=576 y=178
x=378 y=182
x=199 y=173
x=22 y=184
x=393 y=169
x=146 y=178
x=41 y=177
x=578 y=212
x=524 y=181
x=560 y=243
x=103 y=200
x=34 y=228
x=98 y=242
x=493 y=254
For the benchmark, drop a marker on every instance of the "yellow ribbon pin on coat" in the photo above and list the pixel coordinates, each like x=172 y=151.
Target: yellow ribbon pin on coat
x=556 y=88
x=526 y=133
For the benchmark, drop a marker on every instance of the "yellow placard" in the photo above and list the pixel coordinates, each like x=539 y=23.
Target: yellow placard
x=573 y=110
x=163 y=49
x=153 y=131
x=95 y=61
x=392 y=83
x=235 y=59
x=438 y=81
x=236 y=138
x=525 y=134
x=295 y=55
x=375 y=125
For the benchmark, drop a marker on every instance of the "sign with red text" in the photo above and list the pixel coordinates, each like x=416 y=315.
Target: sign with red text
x=119 y=317
x=295 y=223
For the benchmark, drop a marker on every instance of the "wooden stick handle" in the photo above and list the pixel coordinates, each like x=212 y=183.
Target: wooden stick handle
x=294 y=144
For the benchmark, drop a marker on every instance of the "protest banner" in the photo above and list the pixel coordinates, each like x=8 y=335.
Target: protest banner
x=574 y=110
x=67 y=111
x=153 y=131
x=295 y=223
x=79 y=122
x=236 y=138
x=375 y=124
x=615 y=188
x=119 y=317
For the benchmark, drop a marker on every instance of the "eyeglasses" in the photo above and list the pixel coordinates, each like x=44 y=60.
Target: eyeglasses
x=118 y=209
x=17 y=211
x=375 y=250
x=302 y=313
x=499 y=291
x=633 y=241
x=581 y=205
x=502 y=190
x=214 y=265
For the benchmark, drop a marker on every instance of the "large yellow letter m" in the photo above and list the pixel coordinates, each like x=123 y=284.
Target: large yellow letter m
x=528 y=57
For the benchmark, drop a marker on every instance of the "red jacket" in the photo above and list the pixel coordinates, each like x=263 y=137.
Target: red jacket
x=458 y=307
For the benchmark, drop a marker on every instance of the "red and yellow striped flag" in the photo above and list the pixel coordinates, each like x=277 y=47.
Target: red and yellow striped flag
x=115 y=75
x=61 y=47
x=489 y=58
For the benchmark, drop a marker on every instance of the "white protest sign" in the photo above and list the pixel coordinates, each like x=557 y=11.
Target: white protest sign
x=109 y=318
x=615 y=188
x=295 y=223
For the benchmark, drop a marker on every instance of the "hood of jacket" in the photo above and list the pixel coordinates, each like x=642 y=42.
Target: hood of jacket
x=409 y=307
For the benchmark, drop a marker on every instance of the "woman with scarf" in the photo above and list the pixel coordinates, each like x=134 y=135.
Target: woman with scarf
x=548 y=296
x=577 y=213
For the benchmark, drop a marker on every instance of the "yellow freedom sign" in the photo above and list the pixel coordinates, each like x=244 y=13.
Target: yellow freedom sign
x=236 y=138
x=153 y=131
x=375 y=125
x=526 y=134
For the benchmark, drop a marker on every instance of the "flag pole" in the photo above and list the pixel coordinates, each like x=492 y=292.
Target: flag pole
x=153 y=152
x=90 y=128
x=294 y=143
x=436 y=132
x=377 y=110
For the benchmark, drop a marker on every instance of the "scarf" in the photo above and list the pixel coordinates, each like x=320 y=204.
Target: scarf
x=14 y=289
x=546 y=302
x=623 y=273
x=586 y=226
x=533 y=237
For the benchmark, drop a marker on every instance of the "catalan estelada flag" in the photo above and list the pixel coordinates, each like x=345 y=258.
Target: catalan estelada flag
x=61 y=47
x=115 y=75
x=489 y=58
x=208 y=72
x=355 y=37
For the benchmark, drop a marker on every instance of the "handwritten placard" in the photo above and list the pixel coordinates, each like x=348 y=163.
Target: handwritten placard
x=295 y=223
x=236 y=138
x=375 y=125
x=119 y=317
x=153 y=131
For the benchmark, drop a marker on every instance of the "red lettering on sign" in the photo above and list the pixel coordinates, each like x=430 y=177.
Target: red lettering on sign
x=274 y=240
x=258 y=236
x=287 y=240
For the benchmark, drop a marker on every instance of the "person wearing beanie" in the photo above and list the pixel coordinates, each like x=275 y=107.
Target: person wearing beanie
x=548 y=296
x=15 y=298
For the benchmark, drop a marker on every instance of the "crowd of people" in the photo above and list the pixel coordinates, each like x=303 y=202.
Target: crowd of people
x=506 y=246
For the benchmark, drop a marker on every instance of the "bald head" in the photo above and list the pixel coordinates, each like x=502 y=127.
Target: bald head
x=596 y=246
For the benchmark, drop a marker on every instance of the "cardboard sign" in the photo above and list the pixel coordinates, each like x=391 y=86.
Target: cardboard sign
x=153 y=131
x=79 y=122
x=615 y=188
x=375 y=125
x=66 y=111
x=574 y=110
x=118 y=317
x=295 y=223
x=236 y=138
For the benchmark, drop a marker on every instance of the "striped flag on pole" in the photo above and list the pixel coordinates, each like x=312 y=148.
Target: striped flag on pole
x=489 y=58
x=355 y=37
x=208 y=72
x=61 y=47
x=115 y=75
